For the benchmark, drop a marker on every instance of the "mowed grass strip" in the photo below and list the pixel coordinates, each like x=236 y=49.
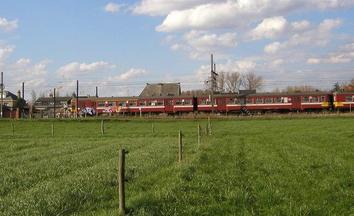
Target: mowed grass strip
x=259 y=167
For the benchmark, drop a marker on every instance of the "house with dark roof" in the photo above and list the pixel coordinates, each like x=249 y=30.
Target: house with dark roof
x=9 y=99
x=161 y=90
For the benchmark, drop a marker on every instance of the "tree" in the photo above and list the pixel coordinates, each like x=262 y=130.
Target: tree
x=337 y=87
x=349 y=87
x=233 y=82
x=33 y=96
x=221 y=79
x=251 y=81
x=301 y=88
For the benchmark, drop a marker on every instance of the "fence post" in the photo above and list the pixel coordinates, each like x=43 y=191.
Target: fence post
x=152 y=128
x=13 y=128
x=52 y=129
x=209 y=126
x=121 y=181
x=198 y=134
x=102 y=127
x=180 y=146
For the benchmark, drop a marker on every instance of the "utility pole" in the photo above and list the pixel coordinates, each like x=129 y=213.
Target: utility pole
x=2 y=93
x=213 y=84
x=23 y=90
x=54 y=114
x=77 y=98
x=96 y=91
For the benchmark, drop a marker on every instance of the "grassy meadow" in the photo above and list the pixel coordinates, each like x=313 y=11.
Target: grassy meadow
x=246 y=167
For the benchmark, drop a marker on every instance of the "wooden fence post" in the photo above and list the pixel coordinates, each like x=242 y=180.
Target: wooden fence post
x=209 y=126
x=180 y=143
x=198 y=134
x=102 y=127
x=121 y=181
x=52 y=129
x=152 y=128
x=13 y=128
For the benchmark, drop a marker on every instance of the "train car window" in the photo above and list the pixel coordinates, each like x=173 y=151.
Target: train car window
x=132 y=103
x=188 y=102
x=314 y=100
x=122 y=104
x=305 y=99
x=142 y=103
x=233 y=101
x=259 y=100
x=278 y=100
x=101 y=104
x=323 y=99
x=348 y=99
x=205 y=101
x=159 y=103
x=178 y=102
x=268 y=100
x=249 y=100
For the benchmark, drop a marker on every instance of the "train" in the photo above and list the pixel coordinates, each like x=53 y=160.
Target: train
x=241 y=103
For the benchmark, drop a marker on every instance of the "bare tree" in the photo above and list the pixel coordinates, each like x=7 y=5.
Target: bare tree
x=251 y=81
x=233 y=82
x=33 y=96
x=302 y=88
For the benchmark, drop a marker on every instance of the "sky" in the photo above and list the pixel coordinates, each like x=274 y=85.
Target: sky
x=120 y=45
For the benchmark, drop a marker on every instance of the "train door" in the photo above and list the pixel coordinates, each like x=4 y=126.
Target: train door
x=296 y=103
x=221 y=104
x=331 y=102
x=168 y=105
x=195 y=104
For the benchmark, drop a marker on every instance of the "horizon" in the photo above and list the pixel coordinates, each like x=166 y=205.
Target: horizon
x=120 y=46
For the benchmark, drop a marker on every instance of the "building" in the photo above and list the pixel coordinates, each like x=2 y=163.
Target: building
x=44 y=106
x=161 y=90
x=9 y=100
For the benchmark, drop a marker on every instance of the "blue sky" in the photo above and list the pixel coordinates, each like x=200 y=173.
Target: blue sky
x=121 y=45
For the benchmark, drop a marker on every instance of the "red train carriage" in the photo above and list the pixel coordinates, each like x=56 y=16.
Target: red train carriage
x=277 y=102
x=223 y=103
x=184 y=104
x=84 y=102
x=151 y=105
x=315 y=101
x=117 y=105
x=344 y=101
x=205 y=104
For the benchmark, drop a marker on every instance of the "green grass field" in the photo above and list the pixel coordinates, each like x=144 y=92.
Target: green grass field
x=248 y=167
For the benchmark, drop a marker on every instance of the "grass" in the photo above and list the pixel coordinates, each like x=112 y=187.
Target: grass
x=258 y=167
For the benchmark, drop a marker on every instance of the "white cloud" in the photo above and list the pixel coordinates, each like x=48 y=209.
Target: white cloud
x=76 y=69
x=343 y=55
x=272 y=48
x=112 y=7
x=131 y=74
x=34 y=74
x=197 y=43
x=163 y=7
x=8 y=25
x=233 y=13
x=313 y=61
x=319 y=36
x=269 y=28
x=300 y=25
x=5 y=51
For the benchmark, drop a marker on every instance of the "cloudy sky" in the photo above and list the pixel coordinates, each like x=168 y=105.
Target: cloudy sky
x=120 y=45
